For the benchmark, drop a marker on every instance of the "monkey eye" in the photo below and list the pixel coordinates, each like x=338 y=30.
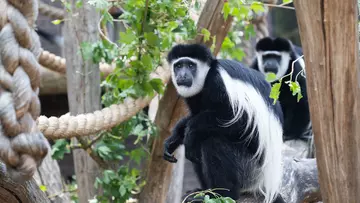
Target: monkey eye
x=192 y=66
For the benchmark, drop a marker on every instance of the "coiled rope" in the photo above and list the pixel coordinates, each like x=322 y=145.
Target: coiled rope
x=22 y=145
x=58 y=64
x=68 y=126
x=51 y=11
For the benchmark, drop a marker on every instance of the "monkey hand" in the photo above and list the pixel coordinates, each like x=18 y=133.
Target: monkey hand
x=167 y=155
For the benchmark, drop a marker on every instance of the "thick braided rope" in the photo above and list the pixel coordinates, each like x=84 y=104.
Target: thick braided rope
x=58 y=64
x=50 y=11
x=85 y=124
x=22 y=145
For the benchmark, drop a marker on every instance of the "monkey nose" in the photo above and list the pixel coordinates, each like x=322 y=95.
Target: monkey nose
x=183 y=81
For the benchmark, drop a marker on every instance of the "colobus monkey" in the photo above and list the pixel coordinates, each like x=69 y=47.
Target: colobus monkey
x=276 y=56
x=233 y=133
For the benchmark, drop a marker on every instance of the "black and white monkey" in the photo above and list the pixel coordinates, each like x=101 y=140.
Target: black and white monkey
x=233 y=133
x=277 y=55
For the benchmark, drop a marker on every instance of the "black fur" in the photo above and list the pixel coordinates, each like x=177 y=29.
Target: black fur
x=221 y=156
x=297 y=123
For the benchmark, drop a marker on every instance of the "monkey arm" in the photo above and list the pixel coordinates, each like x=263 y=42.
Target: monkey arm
x=175 y=140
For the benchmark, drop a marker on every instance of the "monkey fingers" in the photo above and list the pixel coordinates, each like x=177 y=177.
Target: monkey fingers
x=170 y=158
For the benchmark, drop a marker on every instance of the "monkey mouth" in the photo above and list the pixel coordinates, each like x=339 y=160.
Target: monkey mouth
x=184 y=83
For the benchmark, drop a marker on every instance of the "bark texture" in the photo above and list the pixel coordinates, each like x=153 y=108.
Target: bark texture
x=83 y=83
x=329 y=36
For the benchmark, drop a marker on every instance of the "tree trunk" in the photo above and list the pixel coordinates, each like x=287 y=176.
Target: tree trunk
x=28 y=192
x=83 y=83
x=329 y=37
x=49 y=174
x=163 y=178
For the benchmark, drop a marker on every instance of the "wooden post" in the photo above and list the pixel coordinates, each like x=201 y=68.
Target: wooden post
x=329 y=37
x=83 y=83
x=160 y=187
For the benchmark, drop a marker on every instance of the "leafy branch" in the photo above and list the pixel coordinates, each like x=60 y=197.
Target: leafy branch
x=293 y=85
x=207 y=199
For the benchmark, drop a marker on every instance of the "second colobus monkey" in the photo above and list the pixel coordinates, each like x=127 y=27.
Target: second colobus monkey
x=233 y=133
x=276 y=56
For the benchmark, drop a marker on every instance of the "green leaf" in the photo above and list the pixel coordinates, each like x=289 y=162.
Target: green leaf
x=43 y=188
x=206 y=34
x=197 y=5
x=78 y=4
x=238 y=54
x=228 y=200
x=137 y=155
x=299 y=96
x=226 y=10
x=249 y=31
x=56 y=22
x=107 y=17
x=227 y=43
x=137 y=129
x=108 y=176
x=151 y=38
x=172 y=26
x=147 y=61
x=257 y=7
x=287 y=1
x=243 y=11
x=270 y=77
x=275 y=91
x=122 y=190
x=295 y=89
x=104 y=151
x=157 y=85
x=59 y=149
x=124 y=84
x=127 y=37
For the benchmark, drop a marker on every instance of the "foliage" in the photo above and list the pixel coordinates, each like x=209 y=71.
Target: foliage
x=243 y=12
x=60 y=148
x=292 y=83
x=152 y=28
x=207 y=199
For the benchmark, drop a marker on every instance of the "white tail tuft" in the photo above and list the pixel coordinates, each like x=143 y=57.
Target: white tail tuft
x=244 y=97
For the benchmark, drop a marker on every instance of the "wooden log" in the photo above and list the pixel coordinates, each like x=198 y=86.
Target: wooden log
x=11 y=192
x=160 y=184
x=83 y=83
x=329 y=37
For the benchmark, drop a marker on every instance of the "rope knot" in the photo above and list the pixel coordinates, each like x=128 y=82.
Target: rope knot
x=22 y=145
